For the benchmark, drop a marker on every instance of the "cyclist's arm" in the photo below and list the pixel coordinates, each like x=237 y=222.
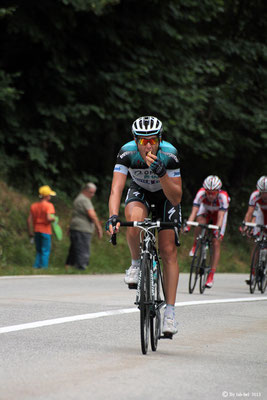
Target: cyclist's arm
x=220 y=218
x=172 y=188
x=249 y=214
x=193 y=213
x=118 y=184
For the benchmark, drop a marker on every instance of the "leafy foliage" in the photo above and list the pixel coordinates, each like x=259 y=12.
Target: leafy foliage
x=74 y=74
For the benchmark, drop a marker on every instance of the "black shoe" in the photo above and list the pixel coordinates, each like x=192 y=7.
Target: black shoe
x=248 y=281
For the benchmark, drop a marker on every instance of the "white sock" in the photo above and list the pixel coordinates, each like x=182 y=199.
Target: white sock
x=169 y=311
x=135 y=263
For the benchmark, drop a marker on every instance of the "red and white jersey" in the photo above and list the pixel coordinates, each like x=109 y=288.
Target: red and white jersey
x=255 y=199
x=221 y=202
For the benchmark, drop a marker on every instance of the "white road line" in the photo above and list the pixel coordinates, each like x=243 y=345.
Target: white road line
x=56 y=321
x=25 y=276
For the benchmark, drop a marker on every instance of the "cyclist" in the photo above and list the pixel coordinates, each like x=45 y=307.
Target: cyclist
x=257 y=205
x=155 y=179
x=210 y=205
x=257 y=208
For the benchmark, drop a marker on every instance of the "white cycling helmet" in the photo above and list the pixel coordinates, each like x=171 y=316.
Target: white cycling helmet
x=212 y=182
x=262 y=184
x=147 y=126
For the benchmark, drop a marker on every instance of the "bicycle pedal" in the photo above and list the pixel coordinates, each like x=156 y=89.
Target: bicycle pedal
x=132 y=286
x=166 y=335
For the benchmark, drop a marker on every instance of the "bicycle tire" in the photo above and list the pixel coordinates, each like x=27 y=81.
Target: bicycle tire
x=205 y=268
x=264 y=284
x=259 y=279
x=194 y=269
x=144 y=303
x=263 y=278
x=254 y=270
x=155 y=318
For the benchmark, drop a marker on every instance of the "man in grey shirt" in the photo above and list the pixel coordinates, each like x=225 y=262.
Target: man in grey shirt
x=83 y=223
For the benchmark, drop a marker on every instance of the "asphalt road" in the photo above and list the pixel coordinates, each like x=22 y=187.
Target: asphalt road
x=77 y=337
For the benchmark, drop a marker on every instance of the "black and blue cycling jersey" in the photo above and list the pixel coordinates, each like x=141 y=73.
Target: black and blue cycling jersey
x=129 y=160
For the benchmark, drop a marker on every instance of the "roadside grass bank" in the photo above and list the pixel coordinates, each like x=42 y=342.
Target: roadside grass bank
x=17 y=253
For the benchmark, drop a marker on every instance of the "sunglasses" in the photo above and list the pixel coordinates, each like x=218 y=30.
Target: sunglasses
x=144 y=141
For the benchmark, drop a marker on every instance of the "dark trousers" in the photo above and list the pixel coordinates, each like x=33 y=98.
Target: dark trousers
x=79 y=251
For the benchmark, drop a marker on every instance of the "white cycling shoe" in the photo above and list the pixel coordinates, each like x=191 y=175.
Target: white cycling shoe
x=131 y=277
x=169 y=326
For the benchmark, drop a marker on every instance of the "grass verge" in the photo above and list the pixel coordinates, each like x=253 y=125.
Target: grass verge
x=17 y=253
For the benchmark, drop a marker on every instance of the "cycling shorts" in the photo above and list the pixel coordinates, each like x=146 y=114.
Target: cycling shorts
x=164 y=210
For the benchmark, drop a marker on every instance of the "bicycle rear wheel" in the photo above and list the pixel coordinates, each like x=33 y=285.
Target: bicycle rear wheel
x=195 y=265
x=254 y=270
x=205 y=268
x=144 y=303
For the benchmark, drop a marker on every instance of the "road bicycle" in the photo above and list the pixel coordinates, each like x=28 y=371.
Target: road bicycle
x=150 y=294
x=258 y=268
x=201 y=262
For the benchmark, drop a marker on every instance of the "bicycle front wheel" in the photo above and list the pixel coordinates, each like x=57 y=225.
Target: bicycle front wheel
x=145 y=302
x=263 y=277
x=155 y=318
x=194 y=269
x=254 y=270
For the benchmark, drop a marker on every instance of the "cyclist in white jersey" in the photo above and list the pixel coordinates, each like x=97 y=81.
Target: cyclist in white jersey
x=210 y=205
x=155 y=171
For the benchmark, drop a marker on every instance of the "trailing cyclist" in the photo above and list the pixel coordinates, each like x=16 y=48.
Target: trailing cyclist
x=257 y=209
x=210 y=205
x=155 y=171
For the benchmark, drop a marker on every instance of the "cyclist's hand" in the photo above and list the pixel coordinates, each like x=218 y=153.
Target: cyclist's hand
x=249 y=232
x=113 y=224
x=186 y=228
x=218 y=234
x=158 y=168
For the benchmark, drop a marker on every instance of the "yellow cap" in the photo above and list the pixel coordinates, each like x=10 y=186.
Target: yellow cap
x=46 y=191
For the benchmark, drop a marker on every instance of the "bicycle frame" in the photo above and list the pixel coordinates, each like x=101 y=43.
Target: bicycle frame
x=198 y=266
x=150 y=296
x=148 y=246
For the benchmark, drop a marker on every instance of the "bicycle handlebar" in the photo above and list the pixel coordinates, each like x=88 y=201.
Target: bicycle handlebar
x=150 y=224
x=144 y=224
x=254 y=225
x=209 y=226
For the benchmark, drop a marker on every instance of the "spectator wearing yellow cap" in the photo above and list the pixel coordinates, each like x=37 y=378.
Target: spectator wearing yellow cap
x=42 y=213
